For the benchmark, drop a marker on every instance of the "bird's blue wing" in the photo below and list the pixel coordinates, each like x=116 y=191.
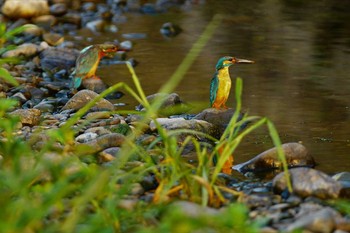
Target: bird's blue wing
x=214 y=85
x=77 y=82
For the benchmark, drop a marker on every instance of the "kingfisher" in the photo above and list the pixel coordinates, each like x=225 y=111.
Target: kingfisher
x=88 y=60
x=221 y=82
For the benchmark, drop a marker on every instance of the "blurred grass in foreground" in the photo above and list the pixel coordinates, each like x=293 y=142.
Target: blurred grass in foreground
x=55 y=190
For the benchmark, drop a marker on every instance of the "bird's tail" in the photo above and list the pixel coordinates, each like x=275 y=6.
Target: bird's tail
x=76 y=82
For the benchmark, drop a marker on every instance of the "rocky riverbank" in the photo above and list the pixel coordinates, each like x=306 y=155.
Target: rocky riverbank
x=45 y=102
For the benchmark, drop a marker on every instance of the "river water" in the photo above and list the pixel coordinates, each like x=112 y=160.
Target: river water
x=301 y=78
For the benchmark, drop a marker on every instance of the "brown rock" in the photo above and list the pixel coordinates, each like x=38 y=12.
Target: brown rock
x=56 y=59
x=220 y=118
x=25 y=9
x=296 y=156
x=24 y=50
x=106 y=141
x=28 y=117
x=83 y=97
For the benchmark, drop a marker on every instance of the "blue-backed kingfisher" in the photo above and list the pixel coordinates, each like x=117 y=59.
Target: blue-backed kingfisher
x=221 y=82
x=88 y=60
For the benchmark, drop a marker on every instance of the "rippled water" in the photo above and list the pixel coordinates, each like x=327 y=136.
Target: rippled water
x=301 y=79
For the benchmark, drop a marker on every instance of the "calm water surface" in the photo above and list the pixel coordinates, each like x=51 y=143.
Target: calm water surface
x=301 y=79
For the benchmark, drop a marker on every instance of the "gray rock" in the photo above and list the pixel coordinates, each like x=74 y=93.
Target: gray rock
x=255 y=201
x=296 y=156
x=308 y=182
x=126 y=45
x=28 y=117
x=321 y=221
x=193 y=210
x=24 y=50
x=83 y=97
x=53 y=59
x=45 y=107
x=170 y=30
x=25 y=9
x=181 y=123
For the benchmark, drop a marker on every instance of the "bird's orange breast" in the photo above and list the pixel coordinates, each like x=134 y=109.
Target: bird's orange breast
x=224 y=88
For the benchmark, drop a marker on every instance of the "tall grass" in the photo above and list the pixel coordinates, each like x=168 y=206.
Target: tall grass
x=53 y=190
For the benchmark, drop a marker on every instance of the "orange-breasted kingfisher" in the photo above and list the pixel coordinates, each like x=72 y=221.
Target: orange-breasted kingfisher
x=88 y=60
x=221 y=82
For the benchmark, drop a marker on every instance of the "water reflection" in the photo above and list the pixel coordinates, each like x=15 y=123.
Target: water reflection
x=301 y=79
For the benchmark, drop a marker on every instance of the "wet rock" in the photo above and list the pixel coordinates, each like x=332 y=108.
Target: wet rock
x=126 y=45
x=220 y=118
x=170 y=30
x=134 y=36
x=23 y=50
x=56 y=59
x=343 y=178
x=106 y=141
x=296 y=156
x=255 y=201
x=181 y=123
x=321 y=221
x=308 y=182
x=172 y=104
x=53 y=39
x=25 y=9
x=58 y=9
x=83 y=97
x=149 y=182
x=28 y=117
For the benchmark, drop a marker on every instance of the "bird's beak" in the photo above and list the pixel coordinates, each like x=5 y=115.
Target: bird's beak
x=243 y=61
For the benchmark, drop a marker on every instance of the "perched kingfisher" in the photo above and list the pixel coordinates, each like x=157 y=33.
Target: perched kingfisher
x=221 y=82
x=88 y=60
